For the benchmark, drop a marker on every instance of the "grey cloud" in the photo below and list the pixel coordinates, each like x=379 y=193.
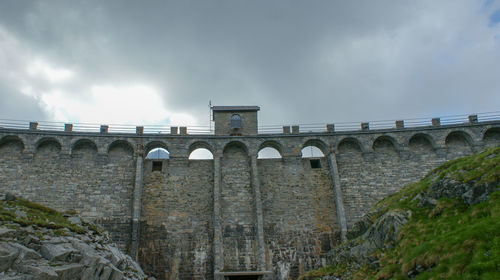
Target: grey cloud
x=17 y=106
x=302 y=61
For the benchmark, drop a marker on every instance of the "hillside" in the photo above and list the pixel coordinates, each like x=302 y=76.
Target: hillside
x=446 y=226
x=37 y=242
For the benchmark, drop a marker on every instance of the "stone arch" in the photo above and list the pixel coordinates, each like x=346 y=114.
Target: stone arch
x=460 y=136
x=491 y=136
x=385 y=144
x=459 y=143
x=271 y=144
x=11 y=144
x=47 y=147
x=83 y=144
x=120 y=150
x=422 y=142
x=272 y=147
x=47 y=141
x=153 y=145
x=203 y=146
x=236 y=144
x=349 y=145
x=322 y=146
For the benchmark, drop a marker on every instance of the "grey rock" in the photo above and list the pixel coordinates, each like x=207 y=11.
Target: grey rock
x=38 y=272
x=26 y=253
x=56 y=252
x=385 y=230
x=478 y=194
x=5 y=231
x=8 y=254
x=69 y=271
x=382 y=233
x=447 y=188
x=75 y=220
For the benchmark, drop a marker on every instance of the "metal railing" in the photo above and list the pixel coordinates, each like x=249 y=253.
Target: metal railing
x=263 y=129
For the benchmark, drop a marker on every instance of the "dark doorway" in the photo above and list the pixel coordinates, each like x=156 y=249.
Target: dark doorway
x=157 y=166
x=315 y=163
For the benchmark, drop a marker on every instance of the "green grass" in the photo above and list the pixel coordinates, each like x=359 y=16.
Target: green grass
x=36 y=215
x=448 y=241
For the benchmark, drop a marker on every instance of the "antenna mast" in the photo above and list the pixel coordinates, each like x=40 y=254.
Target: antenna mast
x=210 y=115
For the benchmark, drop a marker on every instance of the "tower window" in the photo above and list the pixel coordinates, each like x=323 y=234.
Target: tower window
x=157 y=166
x=315 y=163
x=235 y=121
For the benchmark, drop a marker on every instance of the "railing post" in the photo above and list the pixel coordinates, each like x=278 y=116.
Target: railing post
x=68 y=127
x=104 y=128
x=436 y=122
x=33 y=125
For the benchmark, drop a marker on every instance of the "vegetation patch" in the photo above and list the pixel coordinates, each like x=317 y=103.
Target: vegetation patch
x=449 y=240
x=27 y=213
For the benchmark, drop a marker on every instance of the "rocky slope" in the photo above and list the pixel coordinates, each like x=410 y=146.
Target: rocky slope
x=37 y=242
x=445 y=226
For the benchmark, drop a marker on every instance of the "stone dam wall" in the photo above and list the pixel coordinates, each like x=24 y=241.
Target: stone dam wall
x=235 y=214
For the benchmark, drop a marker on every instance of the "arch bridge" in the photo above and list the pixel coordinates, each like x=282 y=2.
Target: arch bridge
x=235 y=214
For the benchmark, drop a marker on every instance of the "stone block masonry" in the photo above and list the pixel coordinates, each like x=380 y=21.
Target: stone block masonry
x=236 y=214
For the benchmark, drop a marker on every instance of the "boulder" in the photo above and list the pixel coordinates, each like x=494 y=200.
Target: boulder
x=69 y=271
x=8 y=254
x=449 y=188
x=57 y=252
x=38 y=272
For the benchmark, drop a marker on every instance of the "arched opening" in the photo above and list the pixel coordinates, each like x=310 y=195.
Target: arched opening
x=157 y=156
x=47 y=148
x=201 y=154
x=121 y=151
x=458 y=144
x=234 y=146
x=420 y=143
x=492 y=137
x=11 y=145
x=269 y=149
x=84 y=148
x=268 y=152
x=158 y=153
x=313 y=149
x=200 y=150
x=384 y=144
x=312 y=152
x=349 y=146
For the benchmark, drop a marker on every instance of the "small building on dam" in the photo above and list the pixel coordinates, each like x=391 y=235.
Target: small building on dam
x=237 y=214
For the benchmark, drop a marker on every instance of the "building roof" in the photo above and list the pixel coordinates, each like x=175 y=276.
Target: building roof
x=235 y=108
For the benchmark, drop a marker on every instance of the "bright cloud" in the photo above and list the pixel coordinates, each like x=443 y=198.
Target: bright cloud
x=125 y=104
x=64 y=95
x=44 y=70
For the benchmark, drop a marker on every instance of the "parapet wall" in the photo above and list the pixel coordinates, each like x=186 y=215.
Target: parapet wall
x=198 y=219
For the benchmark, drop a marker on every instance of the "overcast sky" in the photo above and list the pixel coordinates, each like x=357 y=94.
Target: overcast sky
x=160 y=62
